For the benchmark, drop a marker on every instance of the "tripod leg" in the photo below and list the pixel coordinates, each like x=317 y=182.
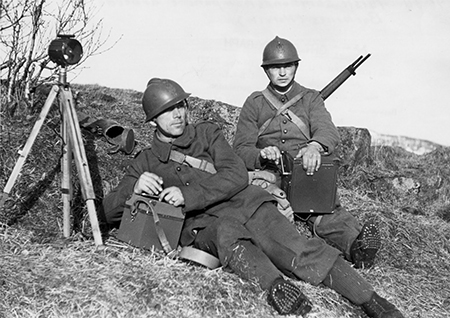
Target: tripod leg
x=23 y=154
x=66 y=169
x=87 y=188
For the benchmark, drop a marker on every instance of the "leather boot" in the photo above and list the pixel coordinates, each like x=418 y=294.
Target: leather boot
x=288 y=299
x=365 y=247
x=378 y=307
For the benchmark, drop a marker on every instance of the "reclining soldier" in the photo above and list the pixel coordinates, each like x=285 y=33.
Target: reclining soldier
x=225 y=216
x=287 y=117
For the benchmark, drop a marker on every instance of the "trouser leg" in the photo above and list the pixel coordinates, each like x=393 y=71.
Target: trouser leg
x=338 y=229
x=346 y=281
x=268 y=243
x=295 y=255
x=230 y=241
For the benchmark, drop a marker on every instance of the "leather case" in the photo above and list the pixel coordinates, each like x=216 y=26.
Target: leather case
x=310 y=194
x=138 y=226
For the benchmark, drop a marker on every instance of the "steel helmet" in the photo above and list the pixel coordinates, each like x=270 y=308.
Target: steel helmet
x=160 y=95
x=279 y=51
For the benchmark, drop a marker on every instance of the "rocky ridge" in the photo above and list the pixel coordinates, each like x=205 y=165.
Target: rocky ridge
x=416 y=146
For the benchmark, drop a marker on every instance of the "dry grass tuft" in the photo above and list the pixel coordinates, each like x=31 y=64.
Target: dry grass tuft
x=45 y=275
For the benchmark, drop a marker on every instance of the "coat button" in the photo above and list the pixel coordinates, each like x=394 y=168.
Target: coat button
x=283 y=141
x=178 y=168
x=187 y=183
x=285 y=131
x=283 y=99
x=284 y=121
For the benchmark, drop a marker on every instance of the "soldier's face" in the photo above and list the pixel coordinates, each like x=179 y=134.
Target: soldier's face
x=281 y=75
x=172 y=122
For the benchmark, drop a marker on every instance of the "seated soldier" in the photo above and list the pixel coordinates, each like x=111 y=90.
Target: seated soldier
x=236 y=222
x=291 y=118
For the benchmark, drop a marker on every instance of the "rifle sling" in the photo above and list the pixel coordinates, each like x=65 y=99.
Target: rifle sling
x=283 y=109
x=193 y=162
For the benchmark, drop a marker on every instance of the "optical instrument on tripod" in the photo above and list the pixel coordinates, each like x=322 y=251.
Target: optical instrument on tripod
x=63 y=51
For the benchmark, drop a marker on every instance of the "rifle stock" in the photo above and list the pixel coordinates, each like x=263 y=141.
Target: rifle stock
x=342 y=77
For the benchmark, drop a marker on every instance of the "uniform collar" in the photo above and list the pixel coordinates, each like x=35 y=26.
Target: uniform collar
x=295 y=90
x=162 y=149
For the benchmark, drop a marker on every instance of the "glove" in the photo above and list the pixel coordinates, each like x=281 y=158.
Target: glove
x=283 y=204
x=261 y=174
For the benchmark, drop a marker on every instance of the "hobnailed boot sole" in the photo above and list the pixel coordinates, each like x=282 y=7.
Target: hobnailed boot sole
x=366 y=246
x=288 y=299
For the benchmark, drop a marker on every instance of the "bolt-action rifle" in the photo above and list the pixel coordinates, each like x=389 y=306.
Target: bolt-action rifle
x=287 y=162
x=342 y=77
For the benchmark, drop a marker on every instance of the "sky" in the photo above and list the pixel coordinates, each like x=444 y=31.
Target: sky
x=213 y=49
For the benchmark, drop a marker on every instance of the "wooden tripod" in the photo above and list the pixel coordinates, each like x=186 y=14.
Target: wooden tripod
x=73 y=148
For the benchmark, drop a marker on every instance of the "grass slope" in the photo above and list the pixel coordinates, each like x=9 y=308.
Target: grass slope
x=43 y=274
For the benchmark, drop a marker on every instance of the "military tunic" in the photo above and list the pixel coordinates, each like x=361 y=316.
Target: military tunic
x=236 y=222
x=340 y=228
x=282 y=132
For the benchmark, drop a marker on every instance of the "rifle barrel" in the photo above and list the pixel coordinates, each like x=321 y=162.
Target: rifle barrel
x=362 y=61
x=356 y=62
x=342 y=77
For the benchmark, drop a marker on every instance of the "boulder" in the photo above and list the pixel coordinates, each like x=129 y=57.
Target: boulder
x=354 y=148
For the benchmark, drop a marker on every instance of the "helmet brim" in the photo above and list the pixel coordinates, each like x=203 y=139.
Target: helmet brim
x=168 y=105
x=279 y=62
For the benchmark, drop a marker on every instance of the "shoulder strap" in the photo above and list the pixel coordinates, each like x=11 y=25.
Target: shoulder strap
x=198 y=256
x=283 y=109
x=274 y=102
x=159 y=230
x=192 y=162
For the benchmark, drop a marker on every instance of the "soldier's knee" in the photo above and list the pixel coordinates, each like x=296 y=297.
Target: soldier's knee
x=229 y=231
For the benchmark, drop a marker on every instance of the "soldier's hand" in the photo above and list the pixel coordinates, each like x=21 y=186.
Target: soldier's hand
x=172 y=195
x=311 y=157
x=271 y=153
x=148 y=183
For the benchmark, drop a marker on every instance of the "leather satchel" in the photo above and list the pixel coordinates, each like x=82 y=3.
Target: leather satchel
x=148 y=223
x=314 y=194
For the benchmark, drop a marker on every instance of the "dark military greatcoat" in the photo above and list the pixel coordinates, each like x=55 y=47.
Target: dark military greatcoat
x=339 y=229
x=236 y=222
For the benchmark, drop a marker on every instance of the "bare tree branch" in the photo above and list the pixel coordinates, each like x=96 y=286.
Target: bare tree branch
x=27 y=28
